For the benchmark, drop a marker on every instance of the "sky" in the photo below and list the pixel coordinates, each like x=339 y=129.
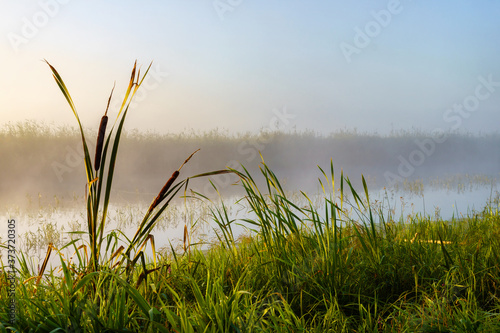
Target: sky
x=248 y=66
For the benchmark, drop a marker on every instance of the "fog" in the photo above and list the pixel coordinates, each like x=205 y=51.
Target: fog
x=45 y=165
x=400 y=84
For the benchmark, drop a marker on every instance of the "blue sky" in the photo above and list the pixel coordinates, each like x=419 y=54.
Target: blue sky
x=236 y=64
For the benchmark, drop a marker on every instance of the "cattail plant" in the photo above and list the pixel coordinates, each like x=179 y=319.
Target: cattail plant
x=99 y=183
x=149 y=220
x=96 y=182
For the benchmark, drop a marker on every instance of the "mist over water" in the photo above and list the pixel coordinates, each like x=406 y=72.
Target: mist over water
x=45 y=166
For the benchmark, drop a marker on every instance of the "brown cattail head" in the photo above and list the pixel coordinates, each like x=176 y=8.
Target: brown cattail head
x=185 y=237
x=100 y=140
x=100 y=135
x=164 y=190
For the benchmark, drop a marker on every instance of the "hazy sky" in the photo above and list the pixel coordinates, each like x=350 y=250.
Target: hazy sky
x=246 y=65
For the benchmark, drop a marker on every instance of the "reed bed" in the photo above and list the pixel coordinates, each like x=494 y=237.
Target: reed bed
x=337 y=265
x=56 y=153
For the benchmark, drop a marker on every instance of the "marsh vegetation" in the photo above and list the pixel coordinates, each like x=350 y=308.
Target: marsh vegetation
x=337 y=261
x=301 y=269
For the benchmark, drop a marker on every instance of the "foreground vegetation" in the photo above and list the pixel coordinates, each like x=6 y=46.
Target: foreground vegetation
x=310 y=269
x=336 y=264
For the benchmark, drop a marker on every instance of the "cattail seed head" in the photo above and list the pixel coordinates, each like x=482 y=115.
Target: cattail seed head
x=100 y=140
x=164 y=190
x=185 y=237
